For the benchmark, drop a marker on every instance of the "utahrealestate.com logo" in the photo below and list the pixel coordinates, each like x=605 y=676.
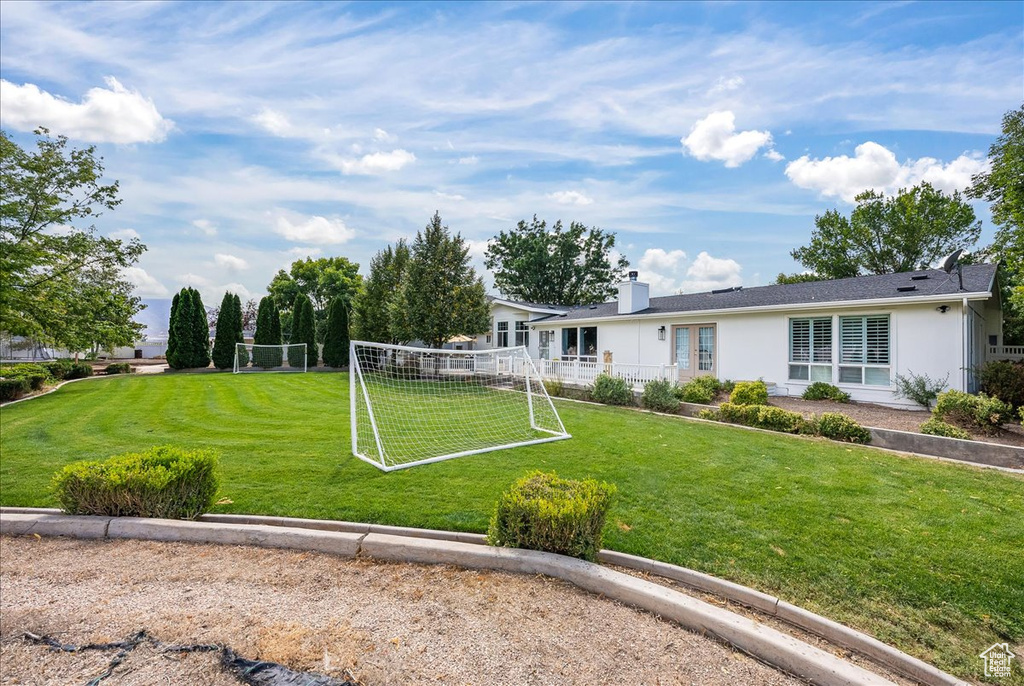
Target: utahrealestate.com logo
x=997 y=660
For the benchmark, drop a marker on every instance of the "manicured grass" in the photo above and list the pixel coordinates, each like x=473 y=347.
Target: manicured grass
x=927 y=556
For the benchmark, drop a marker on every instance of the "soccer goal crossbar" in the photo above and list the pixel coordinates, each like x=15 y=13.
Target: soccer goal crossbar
x=251 y=357
x=411 y=406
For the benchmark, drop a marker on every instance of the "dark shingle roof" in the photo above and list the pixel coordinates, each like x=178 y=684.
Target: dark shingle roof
x=978 y=278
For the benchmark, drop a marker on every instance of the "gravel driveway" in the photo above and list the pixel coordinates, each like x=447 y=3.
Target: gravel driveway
x=379 y=623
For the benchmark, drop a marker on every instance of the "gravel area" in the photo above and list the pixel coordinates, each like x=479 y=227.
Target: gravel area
x=379 y=623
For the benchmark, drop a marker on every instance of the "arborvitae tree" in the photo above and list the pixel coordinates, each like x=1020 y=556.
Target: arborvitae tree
x=336 y=341
x=371 y=307
x=224 y=340
x=268 y=332
x=172 y=333
x=239 y=330
x=303 y=331
x=181 y=331
x=200 y=333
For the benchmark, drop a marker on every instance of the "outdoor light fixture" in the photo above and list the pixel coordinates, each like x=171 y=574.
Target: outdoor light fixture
x=661 y=333
x=942 y=308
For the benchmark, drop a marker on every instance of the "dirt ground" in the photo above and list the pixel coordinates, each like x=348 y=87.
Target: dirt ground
x=377 y=623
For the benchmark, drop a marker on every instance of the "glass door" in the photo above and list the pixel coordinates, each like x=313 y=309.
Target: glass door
x=694 y=351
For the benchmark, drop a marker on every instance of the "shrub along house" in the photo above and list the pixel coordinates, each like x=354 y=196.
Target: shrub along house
x=856 y=333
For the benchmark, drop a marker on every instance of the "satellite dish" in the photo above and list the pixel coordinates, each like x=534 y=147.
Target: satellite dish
x=951 y=260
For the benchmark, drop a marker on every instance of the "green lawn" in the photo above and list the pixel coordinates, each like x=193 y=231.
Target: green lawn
x=927 y=556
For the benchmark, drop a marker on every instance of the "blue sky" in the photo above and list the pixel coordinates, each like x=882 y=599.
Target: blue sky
x=706 y=135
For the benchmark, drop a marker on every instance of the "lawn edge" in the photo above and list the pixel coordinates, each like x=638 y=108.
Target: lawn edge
x=431 y=546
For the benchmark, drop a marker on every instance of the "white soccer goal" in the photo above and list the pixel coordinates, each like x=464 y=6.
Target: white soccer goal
x=412 y=406
x=270 y=358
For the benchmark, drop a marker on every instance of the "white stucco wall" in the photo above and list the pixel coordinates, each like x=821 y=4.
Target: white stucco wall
x=753 y=345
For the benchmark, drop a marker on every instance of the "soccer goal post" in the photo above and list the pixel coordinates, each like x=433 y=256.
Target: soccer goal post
x=411 y=406
x=270 y=358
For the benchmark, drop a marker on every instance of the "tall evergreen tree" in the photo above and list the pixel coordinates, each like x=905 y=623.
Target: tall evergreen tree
x=303 y=331
x=442 y=296
x=172 y=331
x=200 y=333
x=372 y=306
x=239 y=330
x=268 y=332
x=181 y=332
x=336 y=341
x=224 y=340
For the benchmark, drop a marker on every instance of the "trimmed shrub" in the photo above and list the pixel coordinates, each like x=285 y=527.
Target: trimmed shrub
x=12 y=389
x=701 y=390
x=709 y=414
x=611 y=390
x=964 y=409
x=922 y=389
x=819 y=390
x=59 y=369
x=937 y=427
x=658 y=396
x=543 y=512
x=761 y=416
x=119 y=368
x=839 y=427
x=336 y=337
x=79 y=370
x=1004 y=380
x=167 y=481
x=749 y=393
x=554 y=387
x=728 y=386
x=35 y=374
x=223 y=353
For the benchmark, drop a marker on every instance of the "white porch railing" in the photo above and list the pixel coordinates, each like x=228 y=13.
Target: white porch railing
x=583 y=373
x=1006 y=352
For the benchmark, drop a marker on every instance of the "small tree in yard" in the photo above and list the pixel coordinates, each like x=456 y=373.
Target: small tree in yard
x=224 y=340
x=336 y=341
x=180 y=338
x=172 y=332
x=303 y=331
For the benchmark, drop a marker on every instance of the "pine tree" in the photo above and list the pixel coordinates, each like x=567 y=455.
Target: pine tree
x=224 y=340
x=239 y=331
x=172 y=334
x=200 y=333
x=336 y=341
x=181 y=331
x=268 y=332
x=303 y=331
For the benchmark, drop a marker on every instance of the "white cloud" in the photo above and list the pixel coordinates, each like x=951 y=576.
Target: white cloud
x=206 y=226
x=273 y=122
x=449 y=196
x=662 y=270
x=300 y=252
x=373 y=163
x=472 y=159
x=146 y=286
x=724 y=85
x=240 y=290
x=711 y=273
x=313 y=229
x=105 y=115
x=124 y=234
x=774 y=155
x=874 y=166
x=570 y=198
x=715 y=138
x=383 y=136
x=657 y=259
x=230 y=262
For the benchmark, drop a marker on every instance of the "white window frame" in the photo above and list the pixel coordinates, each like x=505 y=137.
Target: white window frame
x=522 y=333
x=502 y=336
x=869 y=357
x=819 y=357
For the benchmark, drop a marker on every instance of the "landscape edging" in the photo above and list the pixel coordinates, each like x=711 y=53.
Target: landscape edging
x=350 y=539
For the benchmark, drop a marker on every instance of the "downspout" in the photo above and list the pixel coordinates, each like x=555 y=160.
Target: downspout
x=963 y=344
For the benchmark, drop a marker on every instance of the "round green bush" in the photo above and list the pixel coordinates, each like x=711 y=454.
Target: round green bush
x=964 y=409
x=701 y=390
x=819 y=390
x=1003 y=379
x=937 y=427
x=658 y=396
x=749 y=393
x=612 y=390
x=839 y=427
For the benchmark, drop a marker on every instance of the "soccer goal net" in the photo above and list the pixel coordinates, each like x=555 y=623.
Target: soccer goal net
x=270 y=358
x=411 y=406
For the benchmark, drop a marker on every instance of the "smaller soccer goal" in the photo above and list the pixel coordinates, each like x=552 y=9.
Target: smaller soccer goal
x=250 y=357
x=411 y=406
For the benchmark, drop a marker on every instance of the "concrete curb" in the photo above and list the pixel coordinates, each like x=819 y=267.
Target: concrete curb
x=350 y=540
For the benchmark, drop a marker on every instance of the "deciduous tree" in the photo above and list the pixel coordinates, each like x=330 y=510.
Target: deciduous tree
x=886 y=235
x=573 y=266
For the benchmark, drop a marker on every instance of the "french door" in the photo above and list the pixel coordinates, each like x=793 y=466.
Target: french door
x=694 y=350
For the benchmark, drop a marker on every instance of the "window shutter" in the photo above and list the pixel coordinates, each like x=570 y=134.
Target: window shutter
x=822 y=329
x=851 y=340
x=877 y=340
x=799 y=340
